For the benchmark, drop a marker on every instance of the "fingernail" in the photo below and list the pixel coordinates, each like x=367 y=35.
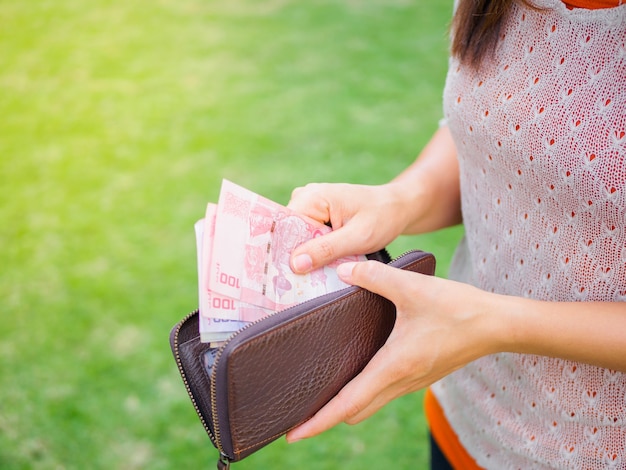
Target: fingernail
x=302 y=263
x=344 y=271
x=292 y=436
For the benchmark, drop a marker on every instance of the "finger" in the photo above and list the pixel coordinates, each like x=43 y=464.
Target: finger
x=307 y=201
x=327 y=248
x=377 y=277
x=329 y=416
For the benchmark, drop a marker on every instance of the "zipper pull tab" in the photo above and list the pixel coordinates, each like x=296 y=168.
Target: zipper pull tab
x=223 y=463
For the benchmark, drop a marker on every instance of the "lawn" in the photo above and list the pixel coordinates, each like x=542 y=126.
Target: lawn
x=119 y=120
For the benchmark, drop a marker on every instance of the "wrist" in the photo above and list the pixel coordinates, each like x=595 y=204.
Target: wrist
x=510 y=321
x=410 y=201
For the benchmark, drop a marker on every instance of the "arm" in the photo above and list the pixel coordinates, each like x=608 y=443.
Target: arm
x=442 y=325
x=424 y=197
x=589 y=332
x=432 y=184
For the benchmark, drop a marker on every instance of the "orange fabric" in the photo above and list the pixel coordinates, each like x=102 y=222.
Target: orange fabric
x=592 y=4
x=444 y=435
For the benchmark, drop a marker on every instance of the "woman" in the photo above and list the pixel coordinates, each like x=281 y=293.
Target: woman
x=526 y=356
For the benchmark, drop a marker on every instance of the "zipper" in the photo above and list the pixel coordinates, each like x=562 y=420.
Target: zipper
x=223 y=463
x=184 y=376
x=217 y=436
x=224 y=459
x=399 y=257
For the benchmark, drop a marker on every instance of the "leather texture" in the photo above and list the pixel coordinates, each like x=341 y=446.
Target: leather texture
x=305 y=363
x=280 y=371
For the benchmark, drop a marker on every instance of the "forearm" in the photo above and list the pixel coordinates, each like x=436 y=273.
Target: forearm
x=588 y=332
x=430 y=186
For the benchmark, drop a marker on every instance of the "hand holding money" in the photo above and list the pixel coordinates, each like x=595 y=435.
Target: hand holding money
x=244 y=244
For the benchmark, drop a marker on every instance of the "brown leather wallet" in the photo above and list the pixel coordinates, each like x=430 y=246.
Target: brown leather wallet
x=277 y=372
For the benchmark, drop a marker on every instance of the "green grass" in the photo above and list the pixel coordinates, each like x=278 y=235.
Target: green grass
x=119 y=120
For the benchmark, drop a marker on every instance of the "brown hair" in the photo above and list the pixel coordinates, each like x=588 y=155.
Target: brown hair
x=476 y=27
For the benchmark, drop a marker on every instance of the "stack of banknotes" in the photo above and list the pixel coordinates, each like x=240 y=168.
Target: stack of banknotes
x=244 y=243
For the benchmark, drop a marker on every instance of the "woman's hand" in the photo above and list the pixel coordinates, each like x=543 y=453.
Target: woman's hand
x=364 y=219
x=423 y=198
x=440 y=326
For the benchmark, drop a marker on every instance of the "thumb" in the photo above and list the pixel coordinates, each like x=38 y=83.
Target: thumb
x=325 y=249
x=375 y=277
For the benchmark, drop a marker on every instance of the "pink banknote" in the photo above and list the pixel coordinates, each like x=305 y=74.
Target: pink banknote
x=211 y=330
x=252 y=243
x=213 y=305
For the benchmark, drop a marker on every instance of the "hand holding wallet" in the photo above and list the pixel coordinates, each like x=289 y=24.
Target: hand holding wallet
x=278 y=372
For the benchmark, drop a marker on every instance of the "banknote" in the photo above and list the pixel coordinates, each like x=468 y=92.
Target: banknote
x=213 y=304
x=216 y=330
x=212 y=330
x=253 y=241
x=244 y=243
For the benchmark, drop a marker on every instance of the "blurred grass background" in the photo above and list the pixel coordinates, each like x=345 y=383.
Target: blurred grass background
x=119 y=120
